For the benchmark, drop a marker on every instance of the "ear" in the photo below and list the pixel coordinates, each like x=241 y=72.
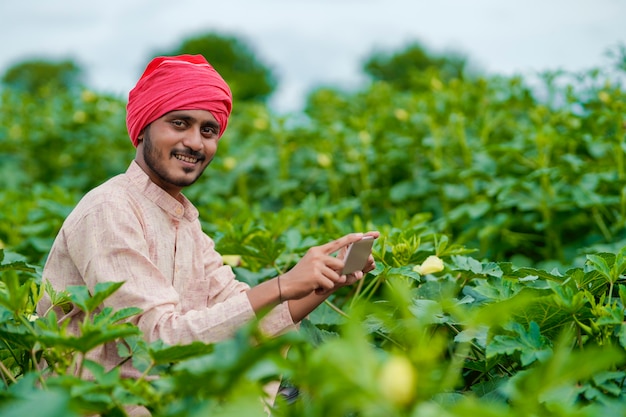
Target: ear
x=142 y=134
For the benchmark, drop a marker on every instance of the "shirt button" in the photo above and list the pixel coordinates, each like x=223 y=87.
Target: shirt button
x=179 y=211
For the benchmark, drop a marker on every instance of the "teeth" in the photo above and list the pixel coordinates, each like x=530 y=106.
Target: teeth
x=186 y=158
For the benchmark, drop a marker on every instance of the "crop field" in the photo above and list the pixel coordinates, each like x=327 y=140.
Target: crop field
x=500 y=285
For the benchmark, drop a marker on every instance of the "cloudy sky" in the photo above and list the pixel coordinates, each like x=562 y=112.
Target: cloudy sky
x=310 y=43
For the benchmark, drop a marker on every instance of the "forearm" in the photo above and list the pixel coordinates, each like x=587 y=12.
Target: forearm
x=265 y=295
x=268 y=294
x=301 y=308
x=311 y=280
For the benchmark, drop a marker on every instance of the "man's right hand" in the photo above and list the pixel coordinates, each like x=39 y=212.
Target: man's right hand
x=318 y=270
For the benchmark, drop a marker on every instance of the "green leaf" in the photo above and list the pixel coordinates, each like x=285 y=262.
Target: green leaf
x=428 y=312
x=525 y=272
x=14 y=265
x=621 y=335
x=110 y=316
x=465 y=263
x=600 y=264
x=79 y=294
x=325 y=316
x=489 y=389
x=492 y=289
x=58 y=298
x=566 y=367
x=91 y=337
x=104 y=328
x=40 y=403
x=17 y=295
x=162 y=353
x=403 y=271
x=314 y=334
x=622 y=294
x=567 y=297
x=530 y=344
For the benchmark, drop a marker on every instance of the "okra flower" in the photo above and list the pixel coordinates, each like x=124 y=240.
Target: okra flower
x=232 y=260
x=430 y=265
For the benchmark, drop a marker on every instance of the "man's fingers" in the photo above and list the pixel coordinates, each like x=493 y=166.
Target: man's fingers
x=370 y=265
x=325 y=284
x=332 y=274
x=335 y=245
x=374 y=233
x=334 y=263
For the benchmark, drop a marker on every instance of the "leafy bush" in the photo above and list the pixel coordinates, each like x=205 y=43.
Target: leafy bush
x=473 y=337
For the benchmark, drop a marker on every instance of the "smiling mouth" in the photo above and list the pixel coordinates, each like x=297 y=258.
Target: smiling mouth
x=186 y=158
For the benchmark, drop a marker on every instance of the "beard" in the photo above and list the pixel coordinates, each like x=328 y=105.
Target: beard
x=155 y=161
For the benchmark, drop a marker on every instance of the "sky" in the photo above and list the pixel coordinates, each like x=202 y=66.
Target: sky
x=313 y=43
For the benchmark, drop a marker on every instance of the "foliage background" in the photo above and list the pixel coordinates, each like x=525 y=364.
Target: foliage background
x=518 y=187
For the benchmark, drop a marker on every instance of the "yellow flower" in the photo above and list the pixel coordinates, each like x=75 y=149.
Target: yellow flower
x=260 y=124
x=401 y=114
x=324 y=160
x=230 y=163
x=15 y=132
x=365 y=138
x=604 y=97
x=431 y=265
x=88 y=96
x=232 y=260
x=80 y=116
x=436 y=83
x=398 y=380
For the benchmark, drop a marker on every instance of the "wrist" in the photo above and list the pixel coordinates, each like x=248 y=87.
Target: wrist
x=280 y=291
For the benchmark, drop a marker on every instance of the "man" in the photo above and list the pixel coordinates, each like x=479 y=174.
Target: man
x=138 y=228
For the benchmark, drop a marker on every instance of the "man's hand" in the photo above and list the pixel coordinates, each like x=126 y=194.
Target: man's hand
x=357 y=275
x=318 y=271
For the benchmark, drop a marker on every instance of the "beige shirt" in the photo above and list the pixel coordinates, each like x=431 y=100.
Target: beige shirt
x=129 y=229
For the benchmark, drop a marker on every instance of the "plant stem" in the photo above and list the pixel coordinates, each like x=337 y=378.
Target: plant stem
x=144 y=374
x=357 y=292
x=6 y=372
x=364 y=292
x=335 y=308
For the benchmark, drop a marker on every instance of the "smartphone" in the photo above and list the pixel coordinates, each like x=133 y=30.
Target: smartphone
x=357 y=254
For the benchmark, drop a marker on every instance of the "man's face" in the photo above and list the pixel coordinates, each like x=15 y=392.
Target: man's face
x=175 y=149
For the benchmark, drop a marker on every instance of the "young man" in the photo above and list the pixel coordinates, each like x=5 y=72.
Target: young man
x=138 y=228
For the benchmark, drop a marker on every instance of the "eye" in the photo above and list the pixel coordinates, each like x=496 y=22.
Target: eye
x=209 y=131
x=179 y=123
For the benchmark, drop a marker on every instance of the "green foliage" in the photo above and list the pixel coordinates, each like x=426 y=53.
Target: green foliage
x=73 y=139
x=473 y=336
x=404 y=69
x=496 y=167
x=40 y=76
x=248 y=77
x=518 y=191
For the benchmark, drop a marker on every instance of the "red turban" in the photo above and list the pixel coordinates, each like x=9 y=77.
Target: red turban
x=184 y=82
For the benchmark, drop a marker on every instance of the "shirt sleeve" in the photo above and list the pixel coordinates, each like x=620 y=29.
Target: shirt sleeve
x=225 y=286
x=108 y=246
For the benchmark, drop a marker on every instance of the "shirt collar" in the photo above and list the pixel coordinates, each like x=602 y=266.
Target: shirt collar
x=159 y=196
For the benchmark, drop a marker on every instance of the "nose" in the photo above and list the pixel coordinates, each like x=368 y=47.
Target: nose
x=193 y=140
